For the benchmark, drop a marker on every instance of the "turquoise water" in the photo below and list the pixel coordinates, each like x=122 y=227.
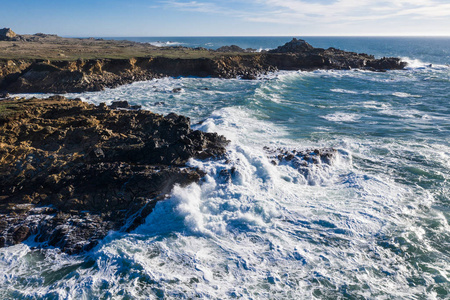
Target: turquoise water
x=372 y=225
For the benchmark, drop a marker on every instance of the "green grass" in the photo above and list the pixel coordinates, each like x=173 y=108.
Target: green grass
x=8 y=109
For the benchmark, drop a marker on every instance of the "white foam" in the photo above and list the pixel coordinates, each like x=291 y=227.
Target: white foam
x=261 y=230
x=342 y=117
x=405 y=95
x=343 y=91
x=166 y=44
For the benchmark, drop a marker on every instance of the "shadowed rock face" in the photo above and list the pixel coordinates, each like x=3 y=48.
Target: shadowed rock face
x=71 y=171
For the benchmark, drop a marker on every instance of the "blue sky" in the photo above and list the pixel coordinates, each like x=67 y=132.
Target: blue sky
x=227 y=18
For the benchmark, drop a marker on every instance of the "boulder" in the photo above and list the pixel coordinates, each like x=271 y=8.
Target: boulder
x=6 y=34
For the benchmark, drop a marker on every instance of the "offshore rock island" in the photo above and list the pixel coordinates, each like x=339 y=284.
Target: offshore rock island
x=71 y=172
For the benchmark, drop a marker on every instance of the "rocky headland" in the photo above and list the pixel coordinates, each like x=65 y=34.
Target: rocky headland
x=70 y=172
x=103 y=64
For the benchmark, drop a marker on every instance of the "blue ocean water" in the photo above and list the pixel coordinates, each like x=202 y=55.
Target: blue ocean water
x=372 y=225
x=428 y=49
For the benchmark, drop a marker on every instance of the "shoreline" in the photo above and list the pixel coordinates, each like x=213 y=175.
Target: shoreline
x=71 y=171
x=109 y=63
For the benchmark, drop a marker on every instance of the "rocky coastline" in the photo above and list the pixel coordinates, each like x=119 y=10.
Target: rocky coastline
x=70 y=172
x=64 y=76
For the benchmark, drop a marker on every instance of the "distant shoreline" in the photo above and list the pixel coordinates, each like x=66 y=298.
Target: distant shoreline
x=44 y=63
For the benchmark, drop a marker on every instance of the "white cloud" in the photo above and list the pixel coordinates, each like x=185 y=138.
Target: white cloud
x=339 y=16
x=194 y=6
x=353 y=10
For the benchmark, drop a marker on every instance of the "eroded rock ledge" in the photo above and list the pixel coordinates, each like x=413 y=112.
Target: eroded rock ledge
x=60 y=76
x=71 y=171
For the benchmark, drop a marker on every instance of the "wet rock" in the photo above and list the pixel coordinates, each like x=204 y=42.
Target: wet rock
x=72 y=171
x=249 y=76
x=302 y=160
x=20 y=234
x=227 y=174
x=386 y=63
x=124 y=105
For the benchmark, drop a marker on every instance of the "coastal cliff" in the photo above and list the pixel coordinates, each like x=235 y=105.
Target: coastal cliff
x=61 y=76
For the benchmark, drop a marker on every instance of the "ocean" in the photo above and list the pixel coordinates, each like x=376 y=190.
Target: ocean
x=372 y=224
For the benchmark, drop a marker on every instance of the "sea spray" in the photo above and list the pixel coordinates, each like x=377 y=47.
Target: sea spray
x=371 y=224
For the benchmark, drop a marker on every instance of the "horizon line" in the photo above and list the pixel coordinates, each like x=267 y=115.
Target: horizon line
x=196 y=36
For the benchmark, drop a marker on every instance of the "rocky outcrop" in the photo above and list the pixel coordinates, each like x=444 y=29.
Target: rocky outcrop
x=70 y=171
x=21 y=76
x=307 y=162
x=294 y=46
x=235 y=49
x=7 y=34
x=299 y=55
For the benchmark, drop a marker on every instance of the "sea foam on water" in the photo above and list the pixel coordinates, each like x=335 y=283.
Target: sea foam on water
x=371 y=223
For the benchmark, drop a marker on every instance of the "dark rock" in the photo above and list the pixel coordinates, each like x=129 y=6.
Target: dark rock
x=20 y=234
x=302 y=160
x=110 y=168
x=124 y=105
x=7 y=34
x=18 y=76
x=97 y=153
x=119 y=104
x=249 y=76
x=232 y=48
x=294 y=46
x=387 y=63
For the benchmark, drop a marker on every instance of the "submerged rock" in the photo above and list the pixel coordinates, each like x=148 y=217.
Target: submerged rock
x=304 y=161
x=71 y=171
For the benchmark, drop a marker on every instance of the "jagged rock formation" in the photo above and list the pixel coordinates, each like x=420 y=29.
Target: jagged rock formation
x=304 y=161
x=299 y=55
x=294 y=46
x=301 y=158
x=60 y=76
x=71 y=171
x=7 y=34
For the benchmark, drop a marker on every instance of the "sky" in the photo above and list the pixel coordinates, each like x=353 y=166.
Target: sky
x=118 y=18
